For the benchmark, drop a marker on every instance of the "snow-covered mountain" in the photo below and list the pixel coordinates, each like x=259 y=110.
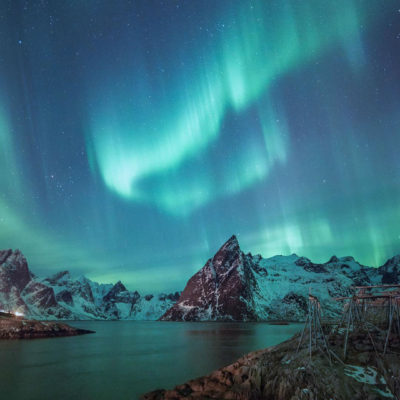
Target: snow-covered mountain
x=231 y=286
x=63 y=297
x=242 y=287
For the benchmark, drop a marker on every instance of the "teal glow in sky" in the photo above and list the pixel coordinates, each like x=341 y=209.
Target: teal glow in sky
x=259 y=44
x=136 y=137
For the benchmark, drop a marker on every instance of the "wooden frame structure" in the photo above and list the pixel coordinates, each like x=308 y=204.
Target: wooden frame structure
x=313 y=328
x=384 y=305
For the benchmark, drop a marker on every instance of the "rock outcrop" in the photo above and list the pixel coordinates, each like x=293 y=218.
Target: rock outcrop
x=279 y=373
x=15 y=328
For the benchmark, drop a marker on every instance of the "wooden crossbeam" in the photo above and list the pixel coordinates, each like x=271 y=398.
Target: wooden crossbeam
x=369 y=296
x=376 y=286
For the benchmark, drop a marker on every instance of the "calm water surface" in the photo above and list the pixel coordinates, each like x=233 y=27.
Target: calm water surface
x=124 y=359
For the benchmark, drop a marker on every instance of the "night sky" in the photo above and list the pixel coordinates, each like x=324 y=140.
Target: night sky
x=137 y=136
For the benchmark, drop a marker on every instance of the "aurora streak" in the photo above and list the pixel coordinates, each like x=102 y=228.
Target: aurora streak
x=137 y=136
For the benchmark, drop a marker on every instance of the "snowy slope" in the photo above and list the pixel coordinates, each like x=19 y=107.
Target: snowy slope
x=86 y=299
x=63 y=297
x=242 y=287
x=231 y=286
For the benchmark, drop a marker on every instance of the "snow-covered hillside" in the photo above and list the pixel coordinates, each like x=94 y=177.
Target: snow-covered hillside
x=63 y=297
x=242 y=287
x=231 y=286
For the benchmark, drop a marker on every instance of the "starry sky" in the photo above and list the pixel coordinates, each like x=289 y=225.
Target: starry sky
x=137 y=136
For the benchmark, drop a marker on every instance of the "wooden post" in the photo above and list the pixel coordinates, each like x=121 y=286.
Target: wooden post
x=313 y=326
x=349 y=317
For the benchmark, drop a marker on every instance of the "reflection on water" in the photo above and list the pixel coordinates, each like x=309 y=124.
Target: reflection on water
x=126 y=358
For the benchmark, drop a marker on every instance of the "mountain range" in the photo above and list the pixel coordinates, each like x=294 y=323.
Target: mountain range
x=63 y=297
x=236 y=286
x=232 y=286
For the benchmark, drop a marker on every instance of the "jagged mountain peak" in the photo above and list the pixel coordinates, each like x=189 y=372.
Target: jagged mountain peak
x=12 y=258
x=14 y=269
x=232 y=244
x=83 y=279
x=237 y=286
x=333 y=260
x=228 y=255
x=390 y=271
x=302 y=260
x=5 y=254
x=59 y=277
x=218 y=290
x=346 y=259
x=115 y=291
x=63 y=297
x=392 y=261
x=120 y=287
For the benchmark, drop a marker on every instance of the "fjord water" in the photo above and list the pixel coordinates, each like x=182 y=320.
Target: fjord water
x=124 y=359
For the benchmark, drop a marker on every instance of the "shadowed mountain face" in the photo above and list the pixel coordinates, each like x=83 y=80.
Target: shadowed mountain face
x=219 y=289
x=241 y=287
x=15 y=268
x=63 y=297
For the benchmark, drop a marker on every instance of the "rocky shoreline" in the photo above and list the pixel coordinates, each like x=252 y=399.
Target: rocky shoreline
x=18 y=328
x=279 y=373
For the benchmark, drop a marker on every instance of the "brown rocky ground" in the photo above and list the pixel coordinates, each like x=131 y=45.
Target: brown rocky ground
x=278 y=373
x=18 y=328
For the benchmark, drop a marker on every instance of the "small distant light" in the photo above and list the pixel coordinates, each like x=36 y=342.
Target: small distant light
x=19 y=314
x=19 y=41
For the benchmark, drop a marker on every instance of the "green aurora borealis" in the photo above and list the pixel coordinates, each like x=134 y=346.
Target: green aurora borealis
x=137 y=136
